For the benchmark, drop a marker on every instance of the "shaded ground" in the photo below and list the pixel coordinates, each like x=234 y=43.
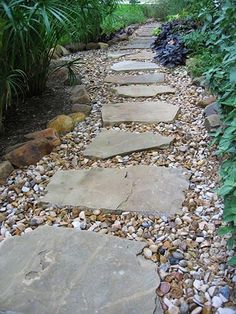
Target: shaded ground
x=33 y=115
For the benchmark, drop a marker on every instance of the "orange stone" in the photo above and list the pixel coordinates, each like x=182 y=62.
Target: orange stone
x=29 y=153
x=49 y=134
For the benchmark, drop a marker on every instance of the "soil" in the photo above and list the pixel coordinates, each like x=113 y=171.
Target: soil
x=33 y=115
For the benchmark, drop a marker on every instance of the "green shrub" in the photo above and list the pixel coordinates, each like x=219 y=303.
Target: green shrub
x=218 y=60
x=124 y=15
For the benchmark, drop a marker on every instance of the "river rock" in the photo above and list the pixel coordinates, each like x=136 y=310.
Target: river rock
x=61 y=124
x=29 y=153
x=5 y=170
x=79 y=95
x=49 y=134
x=86 y=109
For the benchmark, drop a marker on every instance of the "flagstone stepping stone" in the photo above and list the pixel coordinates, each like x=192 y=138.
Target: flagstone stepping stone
x=146 y=189
x=141 y=112
x=143 y=90
x=139 y=45
x=111 y=143
x=144 y=55
x=124 y=66
x=61 y=270
x=136 y=79
x=119 y=54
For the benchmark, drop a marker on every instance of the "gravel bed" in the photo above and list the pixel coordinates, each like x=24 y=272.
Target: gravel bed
x=191 y=258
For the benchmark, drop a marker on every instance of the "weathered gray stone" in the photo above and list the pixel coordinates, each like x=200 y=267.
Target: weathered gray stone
x=146 y=189
x=213 y=108
x=136 y=45
x=110 y=143
x=143 y=55
x=143 y=112
x=59 y=270
x=5 y=170
x=143 y=90
x=133 y=66
x=136 y=79
x=212 y=122
x=118 y=54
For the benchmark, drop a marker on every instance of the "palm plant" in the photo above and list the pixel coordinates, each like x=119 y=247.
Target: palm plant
x=29 y=29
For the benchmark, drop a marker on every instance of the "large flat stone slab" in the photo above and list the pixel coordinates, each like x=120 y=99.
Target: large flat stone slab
x=146 y=189
x=111 y=143
x=136 y=79
x=143 y=90
x=137 y=45
x=118 y=54
x=143 y=55
x=141 y=112
x=64 y=271
x=124 y=66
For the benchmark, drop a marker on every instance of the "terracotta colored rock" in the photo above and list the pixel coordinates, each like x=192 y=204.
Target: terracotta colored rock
x=82 y=108
x=80 y=95
x=61 y=124
x=91 y=45
x=29 y=153
x=49 y=134
x=77 y=117
x=5 y=170
x=207 y=101
x=164 y=288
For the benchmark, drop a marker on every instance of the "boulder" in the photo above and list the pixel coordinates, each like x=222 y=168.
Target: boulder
x=80 y=95
x=82 y=108
x=59 y=51
x=213 y=108
x=5 y=170
x=77 y=117
x=92 y=45
x=206 y=101
x=76 y=47
x=49 y=134
x=29 y=153
x=122 y=37
x=212 y=122
x=59 y=75
x=103 y=45
x=61 y=124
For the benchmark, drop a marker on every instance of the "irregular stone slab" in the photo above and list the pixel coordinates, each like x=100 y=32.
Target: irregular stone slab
x=61 y=270
x=136 y=46
x=146 y=189
x=144 y=55
x=124 y=66
x=143 y=90
x=142 y=112
x=136 y=79
x=119 y=54
x=111 y=143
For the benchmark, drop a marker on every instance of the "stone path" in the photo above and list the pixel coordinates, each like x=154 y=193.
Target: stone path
x=125 y=66
x=142 y=112
x=148 y=189
x=65 y=271
x=111 y=143
x=135 y=91
x=74 y=272
x=136 y=79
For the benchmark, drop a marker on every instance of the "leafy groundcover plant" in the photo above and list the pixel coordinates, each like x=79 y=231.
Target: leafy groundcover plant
x=217 y=38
